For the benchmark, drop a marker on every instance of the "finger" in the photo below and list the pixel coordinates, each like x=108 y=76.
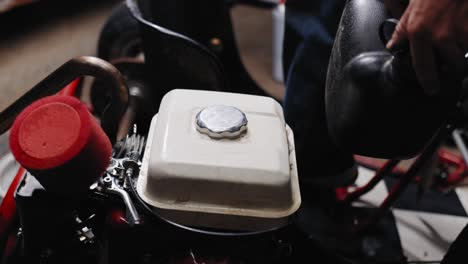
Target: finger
x=424 y=64
x=401 y=32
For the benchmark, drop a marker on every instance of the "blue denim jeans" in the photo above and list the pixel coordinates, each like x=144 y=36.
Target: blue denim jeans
x=309 y=35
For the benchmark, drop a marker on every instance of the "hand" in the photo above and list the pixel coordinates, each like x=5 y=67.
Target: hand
x=433 y=26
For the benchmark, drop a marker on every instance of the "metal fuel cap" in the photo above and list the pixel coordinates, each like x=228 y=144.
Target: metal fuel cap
x=221 y=121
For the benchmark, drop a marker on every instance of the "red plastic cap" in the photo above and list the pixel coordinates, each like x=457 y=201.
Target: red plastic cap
x=58 y=140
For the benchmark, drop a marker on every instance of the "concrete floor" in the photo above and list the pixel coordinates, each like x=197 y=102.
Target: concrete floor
x=253 y=28
x=41 y=37
x=31 y=52
x=34 y=45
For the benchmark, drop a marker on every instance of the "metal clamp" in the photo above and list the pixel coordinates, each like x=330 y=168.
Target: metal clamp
x=111 y=186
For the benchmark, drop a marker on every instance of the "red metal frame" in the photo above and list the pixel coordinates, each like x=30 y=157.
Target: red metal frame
x=347 y=197
x=445 y=157
x=450 y=159
x=409 y=176
x=71 y=88
x=8 y=206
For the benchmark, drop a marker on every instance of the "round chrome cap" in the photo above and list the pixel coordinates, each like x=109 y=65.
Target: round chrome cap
x=221 y=121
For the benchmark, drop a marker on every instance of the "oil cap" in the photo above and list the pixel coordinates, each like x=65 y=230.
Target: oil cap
x=221 y=121
x=59 y=142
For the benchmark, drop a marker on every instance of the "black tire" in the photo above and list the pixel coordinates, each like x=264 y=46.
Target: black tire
x=120 y=36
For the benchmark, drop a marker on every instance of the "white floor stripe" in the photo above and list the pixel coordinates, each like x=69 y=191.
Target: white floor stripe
x=462 y=193
x=427 y=236
x=376 y=195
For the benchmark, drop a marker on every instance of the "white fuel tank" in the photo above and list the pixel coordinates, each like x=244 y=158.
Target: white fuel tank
x=220 y=160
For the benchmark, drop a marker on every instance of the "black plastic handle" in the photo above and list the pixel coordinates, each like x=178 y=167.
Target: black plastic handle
x=386 y=30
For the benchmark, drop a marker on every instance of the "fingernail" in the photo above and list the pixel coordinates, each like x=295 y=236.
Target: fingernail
x=390 y=44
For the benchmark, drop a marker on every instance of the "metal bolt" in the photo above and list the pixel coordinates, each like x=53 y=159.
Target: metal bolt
x=107 y=181
x=216 y=45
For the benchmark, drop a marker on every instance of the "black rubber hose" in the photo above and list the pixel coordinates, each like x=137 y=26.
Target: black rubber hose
x=163 y=220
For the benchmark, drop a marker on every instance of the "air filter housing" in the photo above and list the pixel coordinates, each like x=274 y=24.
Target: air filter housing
x=220 y=160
